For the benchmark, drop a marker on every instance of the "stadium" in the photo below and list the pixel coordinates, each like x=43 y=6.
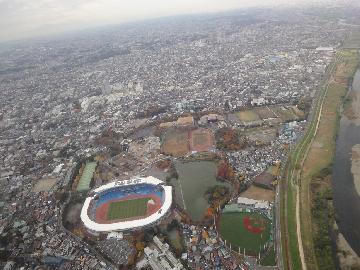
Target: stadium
x=126 y=205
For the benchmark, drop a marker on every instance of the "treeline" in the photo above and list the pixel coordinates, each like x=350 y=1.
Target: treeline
x=323 y=217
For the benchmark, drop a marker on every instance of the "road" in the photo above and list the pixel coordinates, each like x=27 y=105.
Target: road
x=279 y=255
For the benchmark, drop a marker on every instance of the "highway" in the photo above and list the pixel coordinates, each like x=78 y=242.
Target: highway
x=278 y=244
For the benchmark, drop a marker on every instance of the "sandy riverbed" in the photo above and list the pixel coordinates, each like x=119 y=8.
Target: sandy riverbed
x=355 y=166
x=347 y=256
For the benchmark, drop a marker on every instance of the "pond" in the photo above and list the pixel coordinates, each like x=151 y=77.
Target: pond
x=194 y=180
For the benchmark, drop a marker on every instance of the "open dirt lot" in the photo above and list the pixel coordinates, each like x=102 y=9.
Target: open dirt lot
x=119 y=167
x=262 y=135
x=258 y=193
x=44 y=184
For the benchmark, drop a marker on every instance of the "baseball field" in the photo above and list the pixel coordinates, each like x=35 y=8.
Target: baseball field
x=245 y=230
x=201 y=140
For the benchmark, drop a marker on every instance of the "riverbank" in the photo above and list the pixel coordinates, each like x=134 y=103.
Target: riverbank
x=346 y=180
x=348 y=259
x=307 y=242
x=315 y=187
x=290 y=202
x=355 y=166
x=315 y=191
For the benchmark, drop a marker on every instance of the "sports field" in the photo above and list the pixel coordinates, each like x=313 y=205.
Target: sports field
x=127 y=209
x=245 y=230
x=84 y=183
x=201 y=140
x=248 y=116
x=264 y=112
x=176 y=142
x=285 y=113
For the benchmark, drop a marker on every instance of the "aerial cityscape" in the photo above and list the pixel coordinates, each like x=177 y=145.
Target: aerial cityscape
x=222 y=140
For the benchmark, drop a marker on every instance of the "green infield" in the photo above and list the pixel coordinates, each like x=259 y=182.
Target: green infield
x=245 y=230
x=127 y=209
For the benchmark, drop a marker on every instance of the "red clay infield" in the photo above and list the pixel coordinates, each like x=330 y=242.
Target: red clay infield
x=254 y=225
x=201 y=140
x=101 y=211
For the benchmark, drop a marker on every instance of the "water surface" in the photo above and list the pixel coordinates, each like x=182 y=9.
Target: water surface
x=346 y=198
x=194 y=180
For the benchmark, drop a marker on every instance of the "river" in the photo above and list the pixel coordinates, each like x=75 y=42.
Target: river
x=194 y=179
x=344 y=182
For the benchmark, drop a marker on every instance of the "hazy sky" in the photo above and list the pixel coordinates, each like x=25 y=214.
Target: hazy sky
x=27 y=18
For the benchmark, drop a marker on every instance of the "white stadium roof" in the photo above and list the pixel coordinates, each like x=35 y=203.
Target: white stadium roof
x=126 y=225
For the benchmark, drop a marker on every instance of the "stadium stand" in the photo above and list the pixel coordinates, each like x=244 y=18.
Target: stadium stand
x=121 y=191
x=118 y=193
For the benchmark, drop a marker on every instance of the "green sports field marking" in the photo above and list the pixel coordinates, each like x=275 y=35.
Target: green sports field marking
x=127 y=209
x=233 y=230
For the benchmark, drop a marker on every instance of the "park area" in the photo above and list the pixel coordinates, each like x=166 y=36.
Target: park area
x=288 y=113
x=127 y=209
x=265 y=113
x=229 y=139
x=249 y=231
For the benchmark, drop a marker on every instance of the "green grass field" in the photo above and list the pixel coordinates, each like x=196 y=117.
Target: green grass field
x=270 y=259
x=286 y=113
x=84 y=183
x=233 y=230
x=127 y=209
x=247 y=116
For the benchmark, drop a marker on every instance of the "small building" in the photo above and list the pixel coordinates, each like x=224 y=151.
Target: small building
x=251 y=204
x=161 y=258
x=210 y=118
x=10 y=265
x=325 y=49
x=258 y=101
